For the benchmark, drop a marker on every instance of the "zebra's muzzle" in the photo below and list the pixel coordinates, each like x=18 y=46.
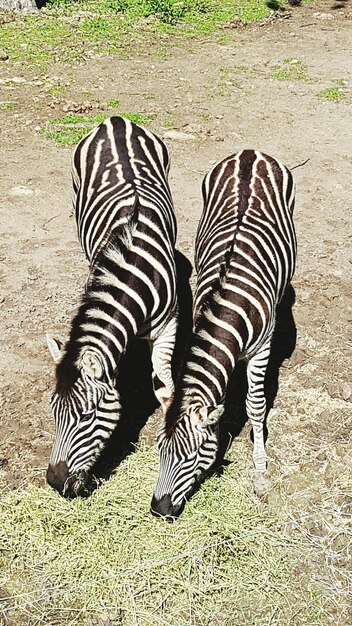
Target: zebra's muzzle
x=164 y=508
x=76 y=485
x=57 y=475
x=68 y=485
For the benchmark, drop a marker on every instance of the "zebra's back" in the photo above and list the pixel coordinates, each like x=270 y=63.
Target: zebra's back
x=245 y=244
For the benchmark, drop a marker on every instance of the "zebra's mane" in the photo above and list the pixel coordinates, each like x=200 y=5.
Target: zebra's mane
x=215 y=290
x=113 y=252
x=175 y=410
x=115 y=248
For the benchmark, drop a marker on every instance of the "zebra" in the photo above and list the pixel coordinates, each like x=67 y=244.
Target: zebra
x=127 y=228
x=245 y=256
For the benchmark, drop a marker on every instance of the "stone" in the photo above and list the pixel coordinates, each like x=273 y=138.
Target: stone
x=19 y=6
x=178 y=136
x=21 y=191
x=346 y=391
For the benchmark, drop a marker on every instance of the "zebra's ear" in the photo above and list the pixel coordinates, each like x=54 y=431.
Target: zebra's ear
x=92 y=364
x=208 y=415
x=54 y=347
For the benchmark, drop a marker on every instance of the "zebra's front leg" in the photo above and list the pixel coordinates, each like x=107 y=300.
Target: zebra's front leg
x=162 y=348
x=256 y=410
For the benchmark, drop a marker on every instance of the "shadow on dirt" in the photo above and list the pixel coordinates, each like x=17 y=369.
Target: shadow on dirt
x=339 y=4
x=135 y=381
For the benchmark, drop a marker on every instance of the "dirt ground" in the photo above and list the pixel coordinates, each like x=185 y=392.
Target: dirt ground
x=227 y=97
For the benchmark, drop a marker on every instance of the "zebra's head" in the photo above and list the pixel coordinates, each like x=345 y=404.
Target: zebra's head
x=186 y=450
x=85 y=409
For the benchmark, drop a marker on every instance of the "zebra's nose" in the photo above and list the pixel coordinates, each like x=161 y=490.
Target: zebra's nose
x=57 y=475
x=164 y=508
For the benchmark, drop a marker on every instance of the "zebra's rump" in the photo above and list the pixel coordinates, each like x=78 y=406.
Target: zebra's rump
x=114 y=166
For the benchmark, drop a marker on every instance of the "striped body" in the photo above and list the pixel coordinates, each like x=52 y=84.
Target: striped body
x=126 y=225
x=245 y=258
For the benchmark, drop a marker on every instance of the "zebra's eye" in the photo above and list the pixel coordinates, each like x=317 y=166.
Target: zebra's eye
x=87 y=415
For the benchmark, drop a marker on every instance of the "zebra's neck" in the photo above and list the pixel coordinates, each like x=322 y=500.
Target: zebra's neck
x=105 y=321
x=214 y=350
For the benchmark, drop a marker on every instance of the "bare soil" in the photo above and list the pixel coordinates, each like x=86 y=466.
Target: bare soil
x=228 y=98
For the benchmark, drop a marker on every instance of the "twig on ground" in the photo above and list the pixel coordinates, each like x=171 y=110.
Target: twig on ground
x=300 y=164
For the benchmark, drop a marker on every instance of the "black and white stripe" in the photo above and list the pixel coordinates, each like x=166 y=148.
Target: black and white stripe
x=245 y=258
x=126 y=225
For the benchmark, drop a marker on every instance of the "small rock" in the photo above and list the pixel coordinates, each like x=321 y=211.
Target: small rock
x=3 y=55
x=192 y=129
x=18 y=80
x=178 y=136
x=78 y=107
x=323 y=16
x=21 y=191
x=322 y=456
x=346 y=391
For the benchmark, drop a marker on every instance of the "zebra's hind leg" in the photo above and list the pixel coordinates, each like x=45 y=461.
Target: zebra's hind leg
x=162 y=348
x=256 y=410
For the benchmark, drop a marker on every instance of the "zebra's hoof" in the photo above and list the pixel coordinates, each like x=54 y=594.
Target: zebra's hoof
x=262 y=484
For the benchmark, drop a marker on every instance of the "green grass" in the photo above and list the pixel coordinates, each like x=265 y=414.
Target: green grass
x=338 y=93
x=225 y=561
x=291 y=70
x=69 y=130
x=70 y=30
x=113 y=103
x=57 y=90
x=6 y=106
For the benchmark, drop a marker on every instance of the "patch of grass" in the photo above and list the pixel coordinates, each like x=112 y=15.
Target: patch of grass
x=223 y=39
x=224 y=561
x=334 y=94
x=6 y=106
x=72 y=29
x=242 y=69
x=56 y=89
x=113 y=103
x=69 y=130
x=291 y=69
x=162 y=53
x=206 y=117
x=79 y=118
x=36 y=40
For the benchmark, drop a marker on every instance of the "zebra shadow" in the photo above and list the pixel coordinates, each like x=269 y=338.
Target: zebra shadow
x=135 y=382
x=234 y=417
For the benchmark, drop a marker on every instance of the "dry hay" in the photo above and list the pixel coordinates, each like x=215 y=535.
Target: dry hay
x=229 y=560
x=106 y=560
